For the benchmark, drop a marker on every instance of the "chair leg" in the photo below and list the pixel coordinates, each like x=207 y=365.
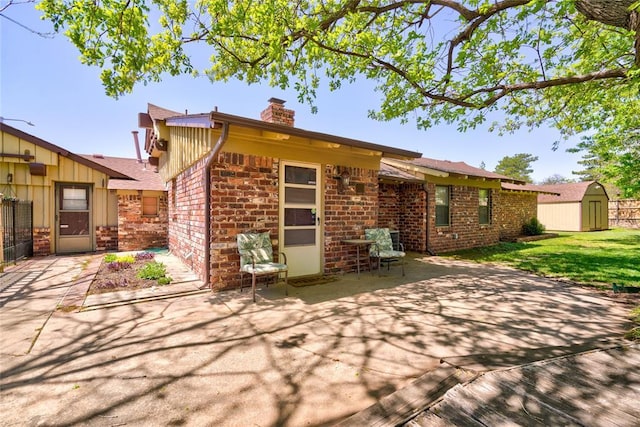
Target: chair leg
x=241 y=281
x=253 y=286
x=402 y=265
x=286 y=278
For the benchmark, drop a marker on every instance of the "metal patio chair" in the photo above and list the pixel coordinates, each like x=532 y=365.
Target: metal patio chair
x=256 y=259
x=383 y=251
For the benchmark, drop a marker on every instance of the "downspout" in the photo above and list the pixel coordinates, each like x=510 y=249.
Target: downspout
x=207 y=202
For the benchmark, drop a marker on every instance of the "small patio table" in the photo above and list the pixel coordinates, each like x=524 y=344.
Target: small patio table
x=360 y=243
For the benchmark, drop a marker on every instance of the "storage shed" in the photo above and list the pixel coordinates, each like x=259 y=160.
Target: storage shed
x=580 y=206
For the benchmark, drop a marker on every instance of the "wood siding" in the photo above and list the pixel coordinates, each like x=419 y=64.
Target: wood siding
x=41 y=189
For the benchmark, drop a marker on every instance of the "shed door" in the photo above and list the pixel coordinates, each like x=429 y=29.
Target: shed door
x=73 y=218
x=300 y=222
x=595 y=215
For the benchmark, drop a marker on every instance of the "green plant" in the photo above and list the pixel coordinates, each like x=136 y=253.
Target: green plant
x=126 y=258
x=153 y=270
x=164 y=280
x=110 y=258
x=533 y=227
x=634 y=333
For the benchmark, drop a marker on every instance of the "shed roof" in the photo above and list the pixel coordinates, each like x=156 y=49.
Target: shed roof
x=112 y=173
x=144 y=175
x=568 y=192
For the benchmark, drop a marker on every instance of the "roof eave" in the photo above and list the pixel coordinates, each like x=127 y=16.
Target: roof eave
x=61 y=151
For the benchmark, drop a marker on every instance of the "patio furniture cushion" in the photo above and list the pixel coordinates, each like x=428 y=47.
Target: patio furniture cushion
x=272 y=267
x=383 y=248
x=256 y=258
x=255 y=247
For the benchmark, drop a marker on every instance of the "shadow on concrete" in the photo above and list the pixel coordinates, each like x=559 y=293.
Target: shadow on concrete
x=313 y=358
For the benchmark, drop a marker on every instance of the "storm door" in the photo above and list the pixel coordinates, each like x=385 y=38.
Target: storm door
x=300 y=222
x=73 y=218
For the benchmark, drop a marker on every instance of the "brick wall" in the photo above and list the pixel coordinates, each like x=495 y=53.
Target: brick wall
x=464 y=230
x=346 y=215
x=41 y=241
x=106 y=238
x=513 y=210
x=135 y=231
x=403 y=208
x=244 y=196
x=186 y=217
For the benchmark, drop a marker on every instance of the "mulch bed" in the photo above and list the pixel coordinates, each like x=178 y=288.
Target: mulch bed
x=126 y=279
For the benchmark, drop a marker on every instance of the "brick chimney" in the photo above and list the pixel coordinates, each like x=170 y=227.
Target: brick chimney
x=276 y=113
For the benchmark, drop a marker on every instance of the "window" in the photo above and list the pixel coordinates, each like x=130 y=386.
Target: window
x=484 y=205
x=149 y=206
x=442 y=205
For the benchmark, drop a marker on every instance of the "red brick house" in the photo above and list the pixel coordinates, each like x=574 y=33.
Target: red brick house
x=228 y=174
x=440 y=206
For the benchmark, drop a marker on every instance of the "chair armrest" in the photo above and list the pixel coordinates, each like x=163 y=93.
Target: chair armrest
x=401 y=246
x=285 y=258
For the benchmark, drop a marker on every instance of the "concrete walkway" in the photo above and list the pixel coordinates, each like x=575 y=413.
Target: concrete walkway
x=313 y=358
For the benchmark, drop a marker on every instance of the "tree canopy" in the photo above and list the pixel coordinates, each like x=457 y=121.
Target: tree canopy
x=571 y=64
x=517 y=166
x=555 y=179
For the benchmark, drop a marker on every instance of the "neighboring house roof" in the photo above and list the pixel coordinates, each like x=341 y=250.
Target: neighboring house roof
x=144 y=175
x=569 y=192
x=444 y=168
x=525 y=188
x=215 y=119
x=112 y=173
x=159 y=113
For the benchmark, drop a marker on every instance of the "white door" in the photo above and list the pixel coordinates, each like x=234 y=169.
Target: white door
x=300 y=222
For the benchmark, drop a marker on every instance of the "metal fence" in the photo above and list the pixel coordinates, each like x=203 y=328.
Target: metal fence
x=624 y=213
x=16 y=227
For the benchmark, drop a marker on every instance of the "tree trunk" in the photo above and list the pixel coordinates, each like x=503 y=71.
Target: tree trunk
x=610 y=12
x=613 y=12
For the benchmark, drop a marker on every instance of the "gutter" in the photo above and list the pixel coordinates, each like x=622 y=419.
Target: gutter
x=207 y=202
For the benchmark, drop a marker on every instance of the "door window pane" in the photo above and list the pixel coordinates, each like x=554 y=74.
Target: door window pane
x=299 y=175
x=74 y=223
x=293 y=217
x=74 y=199
x=299 y=195
x=300 y=237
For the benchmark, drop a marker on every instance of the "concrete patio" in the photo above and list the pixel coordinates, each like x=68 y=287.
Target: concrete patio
x=314 y=358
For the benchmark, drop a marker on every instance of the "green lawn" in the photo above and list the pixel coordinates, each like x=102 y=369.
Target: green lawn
x=597 y=258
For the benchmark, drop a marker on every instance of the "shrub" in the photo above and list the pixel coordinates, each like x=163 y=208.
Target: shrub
x=141 y=256
x=533 y=227
x=118 y=265
x=110 y=257
x=164 y=280
x=126 y=258
x=153 y=271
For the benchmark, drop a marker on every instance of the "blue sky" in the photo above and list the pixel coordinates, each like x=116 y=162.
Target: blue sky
x=43 y=81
